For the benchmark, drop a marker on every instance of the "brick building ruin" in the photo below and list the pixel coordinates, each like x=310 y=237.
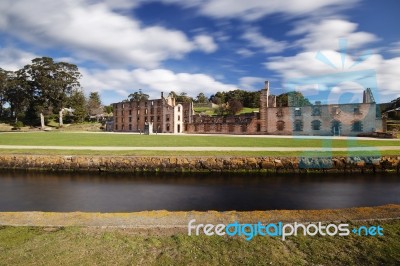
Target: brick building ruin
x=167 y=116
x=314 y=120
x=162 y=115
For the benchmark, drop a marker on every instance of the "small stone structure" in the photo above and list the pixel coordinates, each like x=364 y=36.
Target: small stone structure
x=148 y=128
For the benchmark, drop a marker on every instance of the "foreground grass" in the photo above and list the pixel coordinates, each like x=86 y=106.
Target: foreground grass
x=199 y=153
x=88 y=246
x=95 y=139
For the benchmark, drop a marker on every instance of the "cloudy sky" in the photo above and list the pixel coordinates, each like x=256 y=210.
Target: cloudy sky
x=328 y=49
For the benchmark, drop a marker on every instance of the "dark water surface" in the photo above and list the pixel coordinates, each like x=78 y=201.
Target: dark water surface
x=65 y=192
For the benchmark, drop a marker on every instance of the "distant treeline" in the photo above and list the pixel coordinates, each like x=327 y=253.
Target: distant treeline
x=251 y=99
x=247 y=98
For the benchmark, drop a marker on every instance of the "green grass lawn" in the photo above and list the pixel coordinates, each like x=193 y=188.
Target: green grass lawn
x=204 y=110
x=92 y=246
x=246 y=110
x=122 y=140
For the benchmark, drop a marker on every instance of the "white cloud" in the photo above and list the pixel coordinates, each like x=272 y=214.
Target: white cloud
x=302 y=64
x=324 y=35
x=92 y=30
x=13 y=59
x=205 y=43
x=388 y=75
x=255 y=9
x=268 y=45
x=119 y=83
x=394 y=48
x=151 y=82
x=222 y=36
x=121 y=4
x=352 y=91
x=245 y=52
x=321 y=56
x=305 y=65
x=247 y=83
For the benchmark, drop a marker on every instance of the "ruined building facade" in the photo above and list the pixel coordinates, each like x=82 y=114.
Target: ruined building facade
x=314 y=120
x=162 y=115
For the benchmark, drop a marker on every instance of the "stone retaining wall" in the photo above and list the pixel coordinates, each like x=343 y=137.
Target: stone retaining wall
x=199 y=163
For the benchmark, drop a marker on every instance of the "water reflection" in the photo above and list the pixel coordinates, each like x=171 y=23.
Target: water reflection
x=39 y=191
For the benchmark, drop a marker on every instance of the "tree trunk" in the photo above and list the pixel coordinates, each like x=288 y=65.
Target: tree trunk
x=42 y=121
x=12 y=112
x=60 y=118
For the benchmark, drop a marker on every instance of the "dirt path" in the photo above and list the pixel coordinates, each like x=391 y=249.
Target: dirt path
x=210 y=135
x=171 y=222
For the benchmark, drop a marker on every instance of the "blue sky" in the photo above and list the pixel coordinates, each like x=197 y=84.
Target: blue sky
x=194 y=46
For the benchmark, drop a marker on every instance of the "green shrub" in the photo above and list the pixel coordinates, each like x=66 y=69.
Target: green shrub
x=17 y=125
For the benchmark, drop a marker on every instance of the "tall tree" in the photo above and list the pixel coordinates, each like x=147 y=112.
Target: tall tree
x=292 y=98
x=3 y=88
x=94 y=103
x=221 y=96
x=234 y=106
x=52 y=82
x=183 y=98
x=138 y=96
x=201 y=98
x=77 y=101
x=108 y=109
x=16 y=93
x=216 y=100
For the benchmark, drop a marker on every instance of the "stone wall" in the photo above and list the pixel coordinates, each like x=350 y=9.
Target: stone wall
x=197 y=163
x=231 y=124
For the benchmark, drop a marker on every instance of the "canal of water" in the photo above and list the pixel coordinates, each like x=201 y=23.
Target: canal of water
x=66 y=192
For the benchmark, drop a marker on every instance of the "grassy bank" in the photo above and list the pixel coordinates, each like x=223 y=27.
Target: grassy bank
x=160 y=238
x=95 y=139
x=87 y=246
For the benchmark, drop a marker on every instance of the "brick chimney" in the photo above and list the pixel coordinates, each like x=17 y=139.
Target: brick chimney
x=266 y=87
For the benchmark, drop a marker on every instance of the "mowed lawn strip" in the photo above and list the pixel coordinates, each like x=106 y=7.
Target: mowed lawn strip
x=133 y=140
